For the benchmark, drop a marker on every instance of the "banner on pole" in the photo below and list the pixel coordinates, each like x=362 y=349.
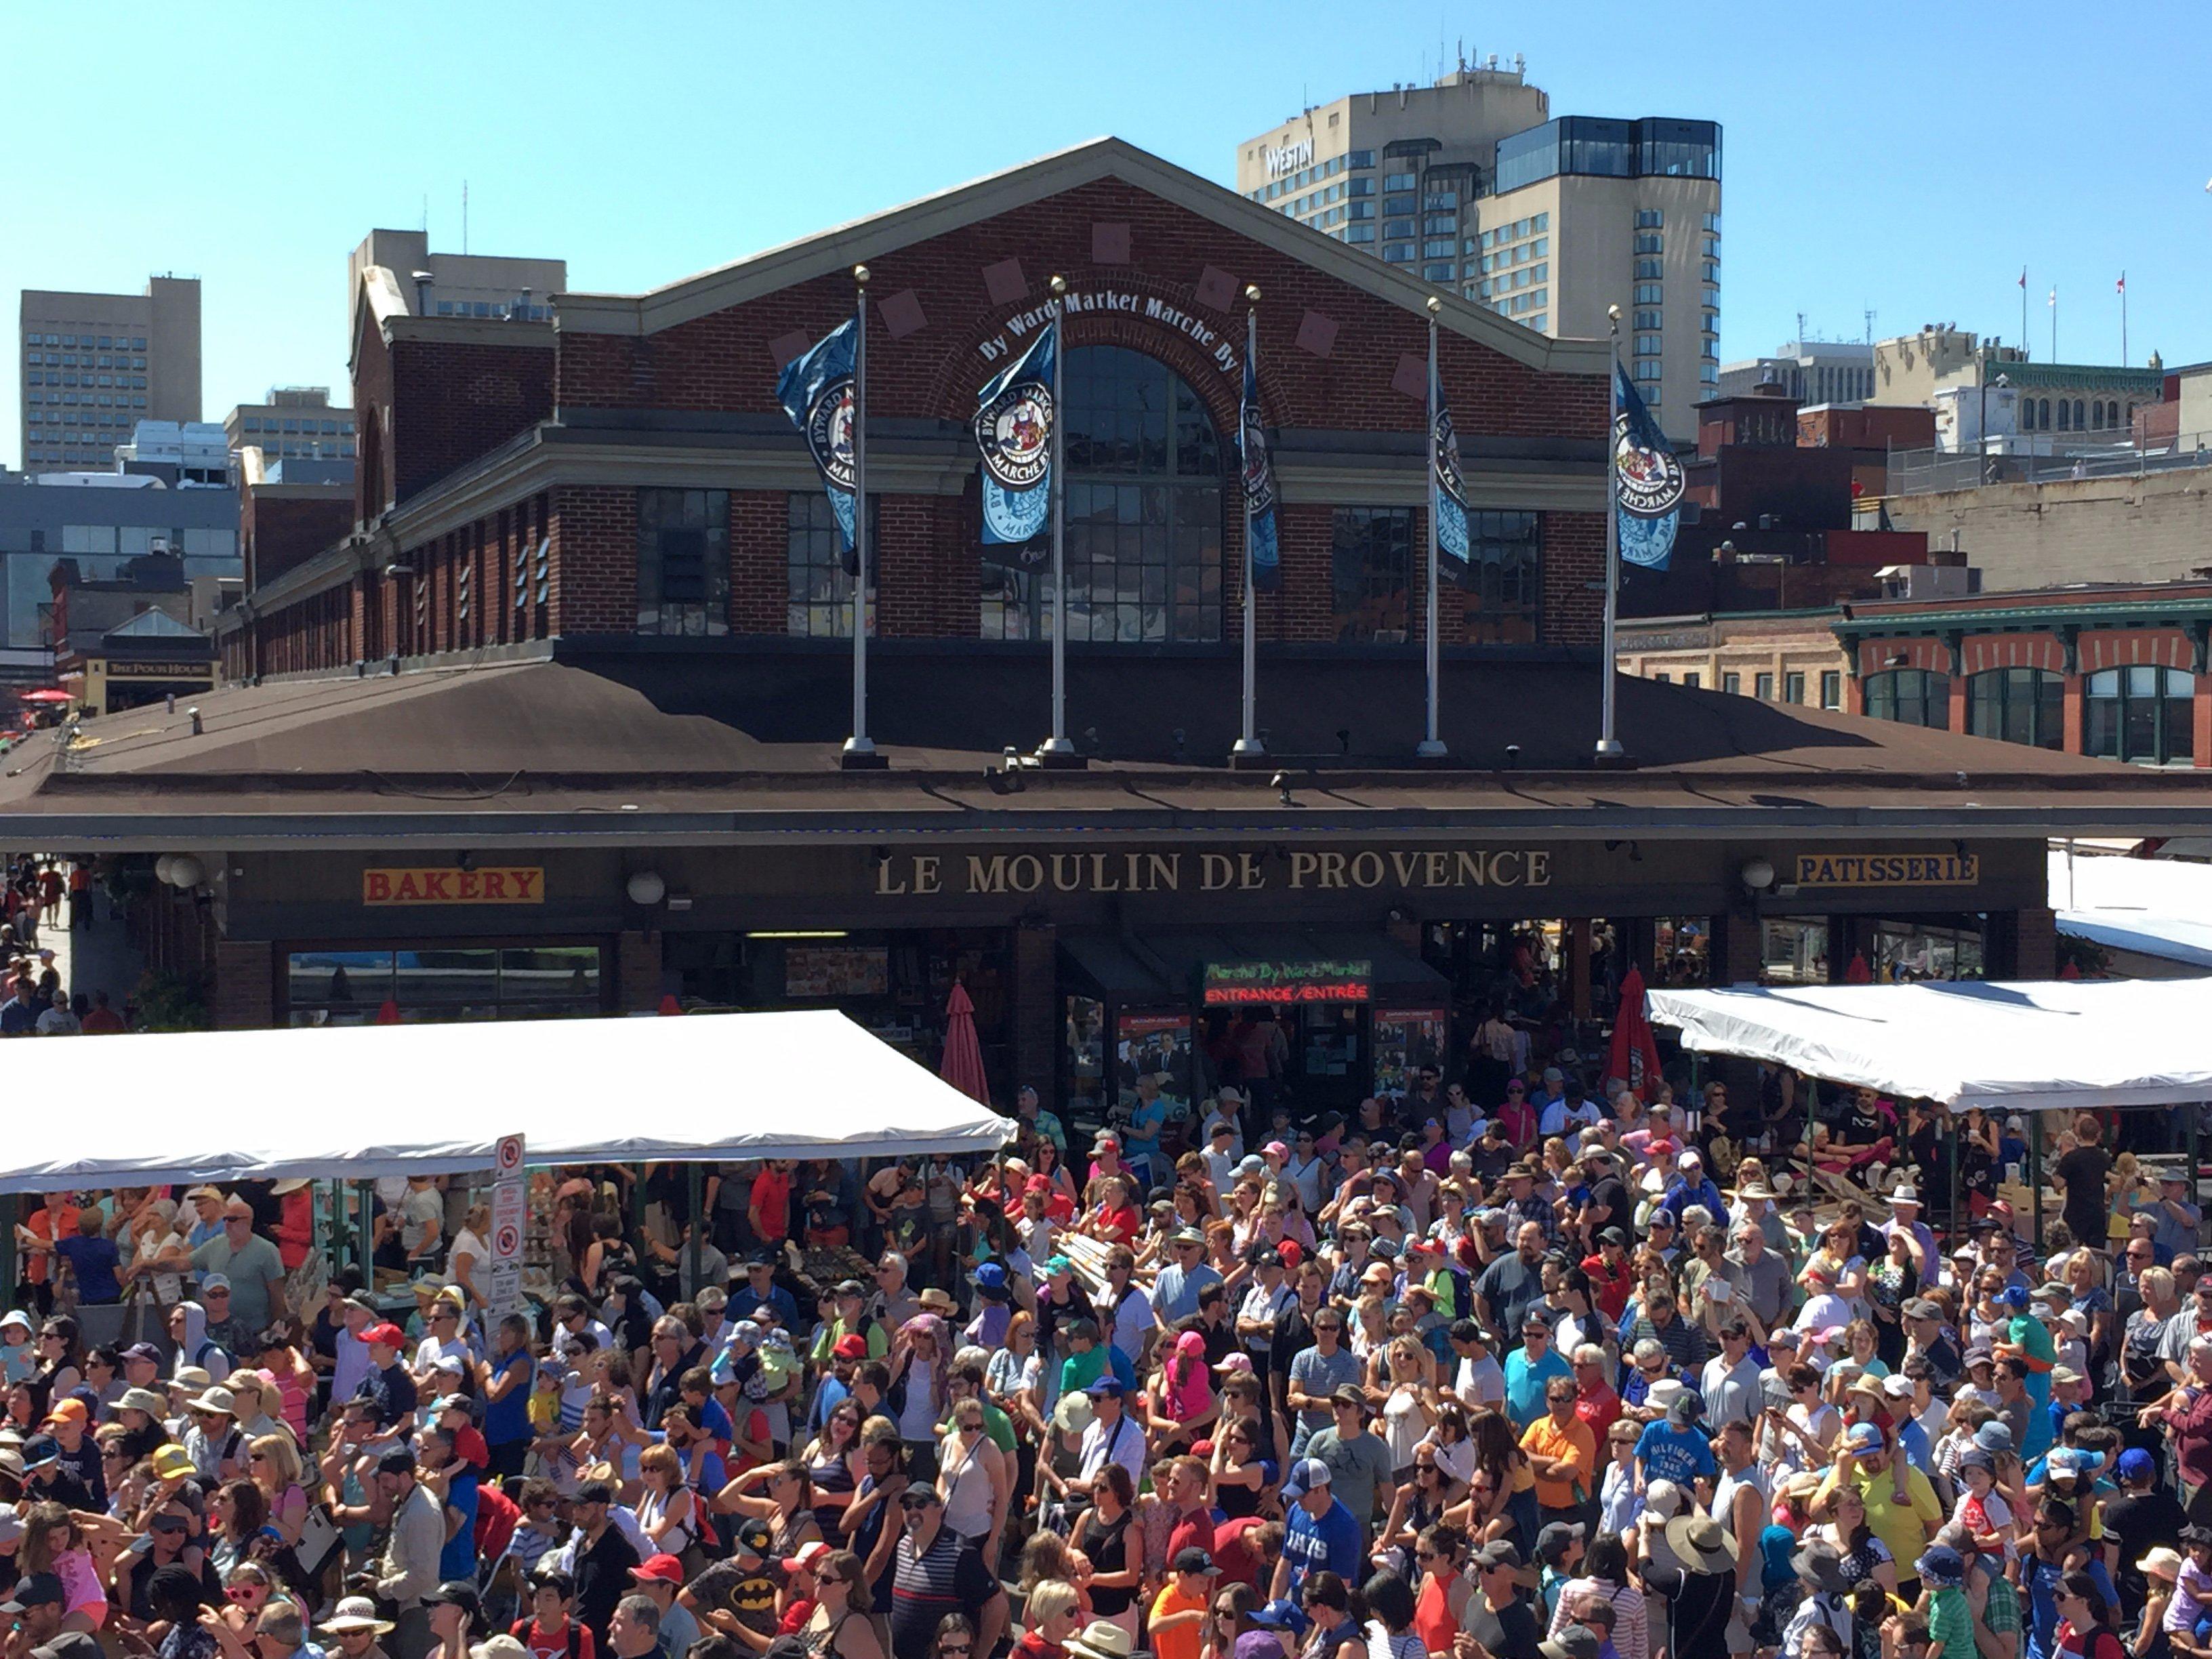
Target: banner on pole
x=815 y=391
x=1447 y=488
x=1259 y=488
x=1648 y=482
x=1013 y=430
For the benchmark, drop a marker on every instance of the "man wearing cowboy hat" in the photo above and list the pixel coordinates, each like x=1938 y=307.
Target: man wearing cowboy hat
x=1701 y=1593
x=1102 y=1638
x=1905 y=1218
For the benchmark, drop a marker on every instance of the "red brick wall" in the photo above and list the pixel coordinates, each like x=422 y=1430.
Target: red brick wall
x=371 y=404
x=594 y=567
x=1982 y=652
x=274 y=535
x=2163 y=648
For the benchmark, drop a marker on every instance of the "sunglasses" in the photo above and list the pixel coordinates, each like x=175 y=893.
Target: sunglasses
x=243 y=1593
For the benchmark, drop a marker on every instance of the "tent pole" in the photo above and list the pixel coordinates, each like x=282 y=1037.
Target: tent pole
x=10 y=1211
x=1957 y=1214
x=2194 y=1199
x=365 y=1234
x=2035 y=1172
x=695 y=1180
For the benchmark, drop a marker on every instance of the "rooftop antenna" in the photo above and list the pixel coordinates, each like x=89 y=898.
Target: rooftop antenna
x=1869 y=325
x=1801 y=329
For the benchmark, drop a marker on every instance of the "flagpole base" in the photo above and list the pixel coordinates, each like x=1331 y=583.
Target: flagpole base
x=859 y=755
x=1059 y=754
x=1430 y=749
x=1609 y=756
x=1248 y=749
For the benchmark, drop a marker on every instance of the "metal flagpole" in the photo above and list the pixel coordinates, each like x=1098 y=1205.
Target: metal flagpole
x=858 y=748
x=1057 y=746
x=1608 y=745
x=2123 y=319
x=1432 y=745
x=1248 y=745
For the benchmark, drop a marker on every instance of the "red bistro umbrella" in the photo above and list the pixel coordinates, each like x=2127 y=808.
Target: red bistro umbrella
x=1856 y=972
x=388 y=1013
x=1635 y=1055
x=45 y=697
x=669 y=1004
x=963 y=1066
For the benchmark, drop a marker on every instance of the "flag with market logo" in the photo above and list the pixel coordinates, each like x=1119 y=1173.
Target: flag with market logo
x=1648 y=482
x=1014 y=415
x=815 y=391
x=1447 y=490
x=1259 y=468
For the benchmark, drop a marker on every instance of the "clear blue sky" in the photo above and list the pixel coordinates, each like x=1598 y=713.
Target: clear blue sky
x=1908 y=157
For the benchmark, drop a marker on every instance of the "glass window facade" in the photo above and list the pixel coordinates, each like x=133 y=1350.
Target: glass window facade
x=820 y=592
x=443 y=984
x=1144 y=505
x=1598 y=148
x=1371 y=563
x=683 y=561
x=2141 y=714
x=1910 y=696
x=2019 y=705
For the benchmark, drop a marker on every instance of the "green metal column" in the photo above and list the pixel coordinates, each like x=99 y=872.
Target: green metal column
x=695 y=1185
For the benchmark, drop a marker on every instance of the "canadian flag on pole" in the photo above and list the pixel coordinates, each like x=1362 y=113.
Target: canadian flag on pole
x=2121 y=286
x=2023 y=270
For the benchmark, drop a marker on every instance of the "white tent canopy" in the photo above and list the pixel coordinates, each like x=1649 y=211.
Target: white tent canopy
x=2157 y=907
x=2038 y=1046
x=360 y=1101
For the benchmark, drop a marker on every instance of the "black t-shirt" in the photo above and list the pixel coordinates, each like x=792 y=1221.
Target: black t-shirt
x=602 y=1580
x=1508 y=1632
x=1107 y=1544
x=747 y=1593
x=1700 y=1605
x=2136 y=1522
x=2083 y=1170
x=1611 y=1193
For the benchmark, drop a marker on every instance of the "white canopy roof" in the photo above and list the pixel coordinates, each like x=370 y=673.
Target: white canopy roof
x=361 y=1102
x=2153 y=907
x=2044 y=1045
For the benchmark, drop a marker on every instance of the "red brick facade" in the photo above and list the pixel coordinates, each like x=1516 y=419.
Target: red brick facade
x=1335 y=359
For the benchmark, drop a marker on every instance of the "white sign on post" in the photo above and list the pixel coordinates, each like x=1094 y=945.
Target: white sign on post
x=509 y=1197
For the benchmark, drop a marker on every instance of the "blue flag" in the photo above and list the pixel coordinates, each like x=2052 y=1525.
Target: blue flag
x=1448 y=492
x=1260 y=490
x=1648 y=487
x=816 y=390
x=1013 y=428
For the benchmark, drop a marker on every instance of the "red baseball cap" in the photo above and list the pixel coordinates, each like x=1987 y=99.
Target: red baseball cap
x=851 y=1345
x=810 y=1557
x=1289 y=1252
x=386 y=1335
x=665 y=1568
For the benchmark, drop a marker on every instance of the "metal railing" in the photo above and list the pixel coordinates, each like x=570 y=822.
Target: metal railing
x=2075 y=455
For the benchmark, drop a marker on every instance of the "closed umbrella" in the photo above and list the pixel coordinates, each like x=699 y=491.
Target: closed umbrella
x=1856 y=972
x=1635 y=1056
x=963 y=1066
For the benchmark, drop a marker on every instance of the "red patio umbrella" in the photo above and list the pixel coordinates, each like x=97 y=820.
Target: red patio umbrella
x=45 y=697
x=963 y=1066
x=1856 y=972
x=669 y=1004
x=1635 y=1055
x=388 y=1014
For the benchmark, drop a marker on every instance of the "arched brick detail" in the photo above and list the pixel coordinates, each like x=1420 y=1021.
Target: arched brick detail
x=2158 y=648
x=1982 y=653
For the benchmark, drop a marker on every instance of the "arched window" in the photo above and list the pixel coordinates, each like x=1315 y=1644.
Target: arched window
x=2080 y=409
x=2140 y=713
x=1144 y=506
x=1910 y=696
x=2043 y=414
x=2063 y=422
x=2019 y=705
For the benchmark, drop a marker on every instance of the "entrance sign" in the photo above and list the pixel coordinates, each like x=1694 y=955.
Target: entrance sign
x=1888 y=869
x=1228 y=984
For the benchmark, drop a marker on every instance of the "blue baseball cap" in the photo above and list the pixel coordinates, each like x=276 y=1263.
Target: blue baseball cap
x=1306 y=1475
x=2015 y=1297
x=1281 y=1613
x=2135 y=1464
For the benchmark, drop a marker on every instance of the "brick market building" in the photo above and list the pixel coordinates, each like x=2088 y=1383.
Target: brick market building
x=554 y=728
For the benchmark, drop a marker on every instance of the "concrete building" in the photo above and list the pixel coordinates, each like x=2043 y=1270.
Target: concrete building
x=181 y=454
x=94 y=364
x=296 y=422
x=1775 y=656
x=494 y=286
x=1548 y=221
x=2096 y=399
x=58 y=530
x=1811 y=370
x=2116 y=525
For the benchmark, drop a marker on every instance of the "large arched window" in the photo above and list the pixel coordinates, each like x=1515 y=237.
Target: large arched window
x=2043 y=414
x=2081 y=410
x=1910 y=696
x=2019 y=705
x=2064 y=423
x=2145 y=715
x=1144 y=504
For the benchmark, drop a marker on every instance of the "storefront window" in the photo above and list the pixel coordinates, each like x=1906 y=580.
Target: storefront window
x=1083 y=1100
x=2143 y=714
x=1793 y=951
x=1406 y=1040
x=1155 y=1045
x=2019 y=705
x=683 y=561
x=1143 y=513
x=1910 y=696
x=1680 y=950
x=537 y=982
x=1906 y=950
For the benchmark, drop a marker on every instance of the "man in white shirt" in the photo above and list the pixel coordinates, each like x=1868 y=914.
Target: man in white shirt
x=1567 y=1112
x=1111 y=1437
x=1267 y=1301
x=1222 y=1154
x=1481 y=1379
x=1227 y=1104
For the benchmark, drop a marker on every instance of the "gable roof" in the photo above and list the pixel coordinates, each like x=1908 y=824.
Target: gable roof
x=862 y=239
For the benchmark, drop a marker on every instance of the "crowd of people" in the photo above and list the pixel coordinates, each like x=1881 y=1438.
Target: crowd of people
x=1501 y=1368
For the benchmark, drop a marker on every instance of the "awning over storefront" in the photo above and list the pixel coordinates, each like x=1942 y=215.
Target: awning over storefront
x=367 y=1101
x=2156 y=907
x=1169 y=966
x=2046 y=1045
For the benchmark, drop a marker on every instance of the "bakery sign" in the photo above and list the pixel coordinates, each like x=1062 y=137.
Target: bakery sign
x=1888 y=869
x=506 y=884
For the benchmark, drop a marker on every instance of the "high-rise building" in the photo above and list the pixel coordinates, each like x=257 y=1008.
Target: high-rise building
x=296 y=422
x=1811 y=370
x=1472 y=184
x=94 y=364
